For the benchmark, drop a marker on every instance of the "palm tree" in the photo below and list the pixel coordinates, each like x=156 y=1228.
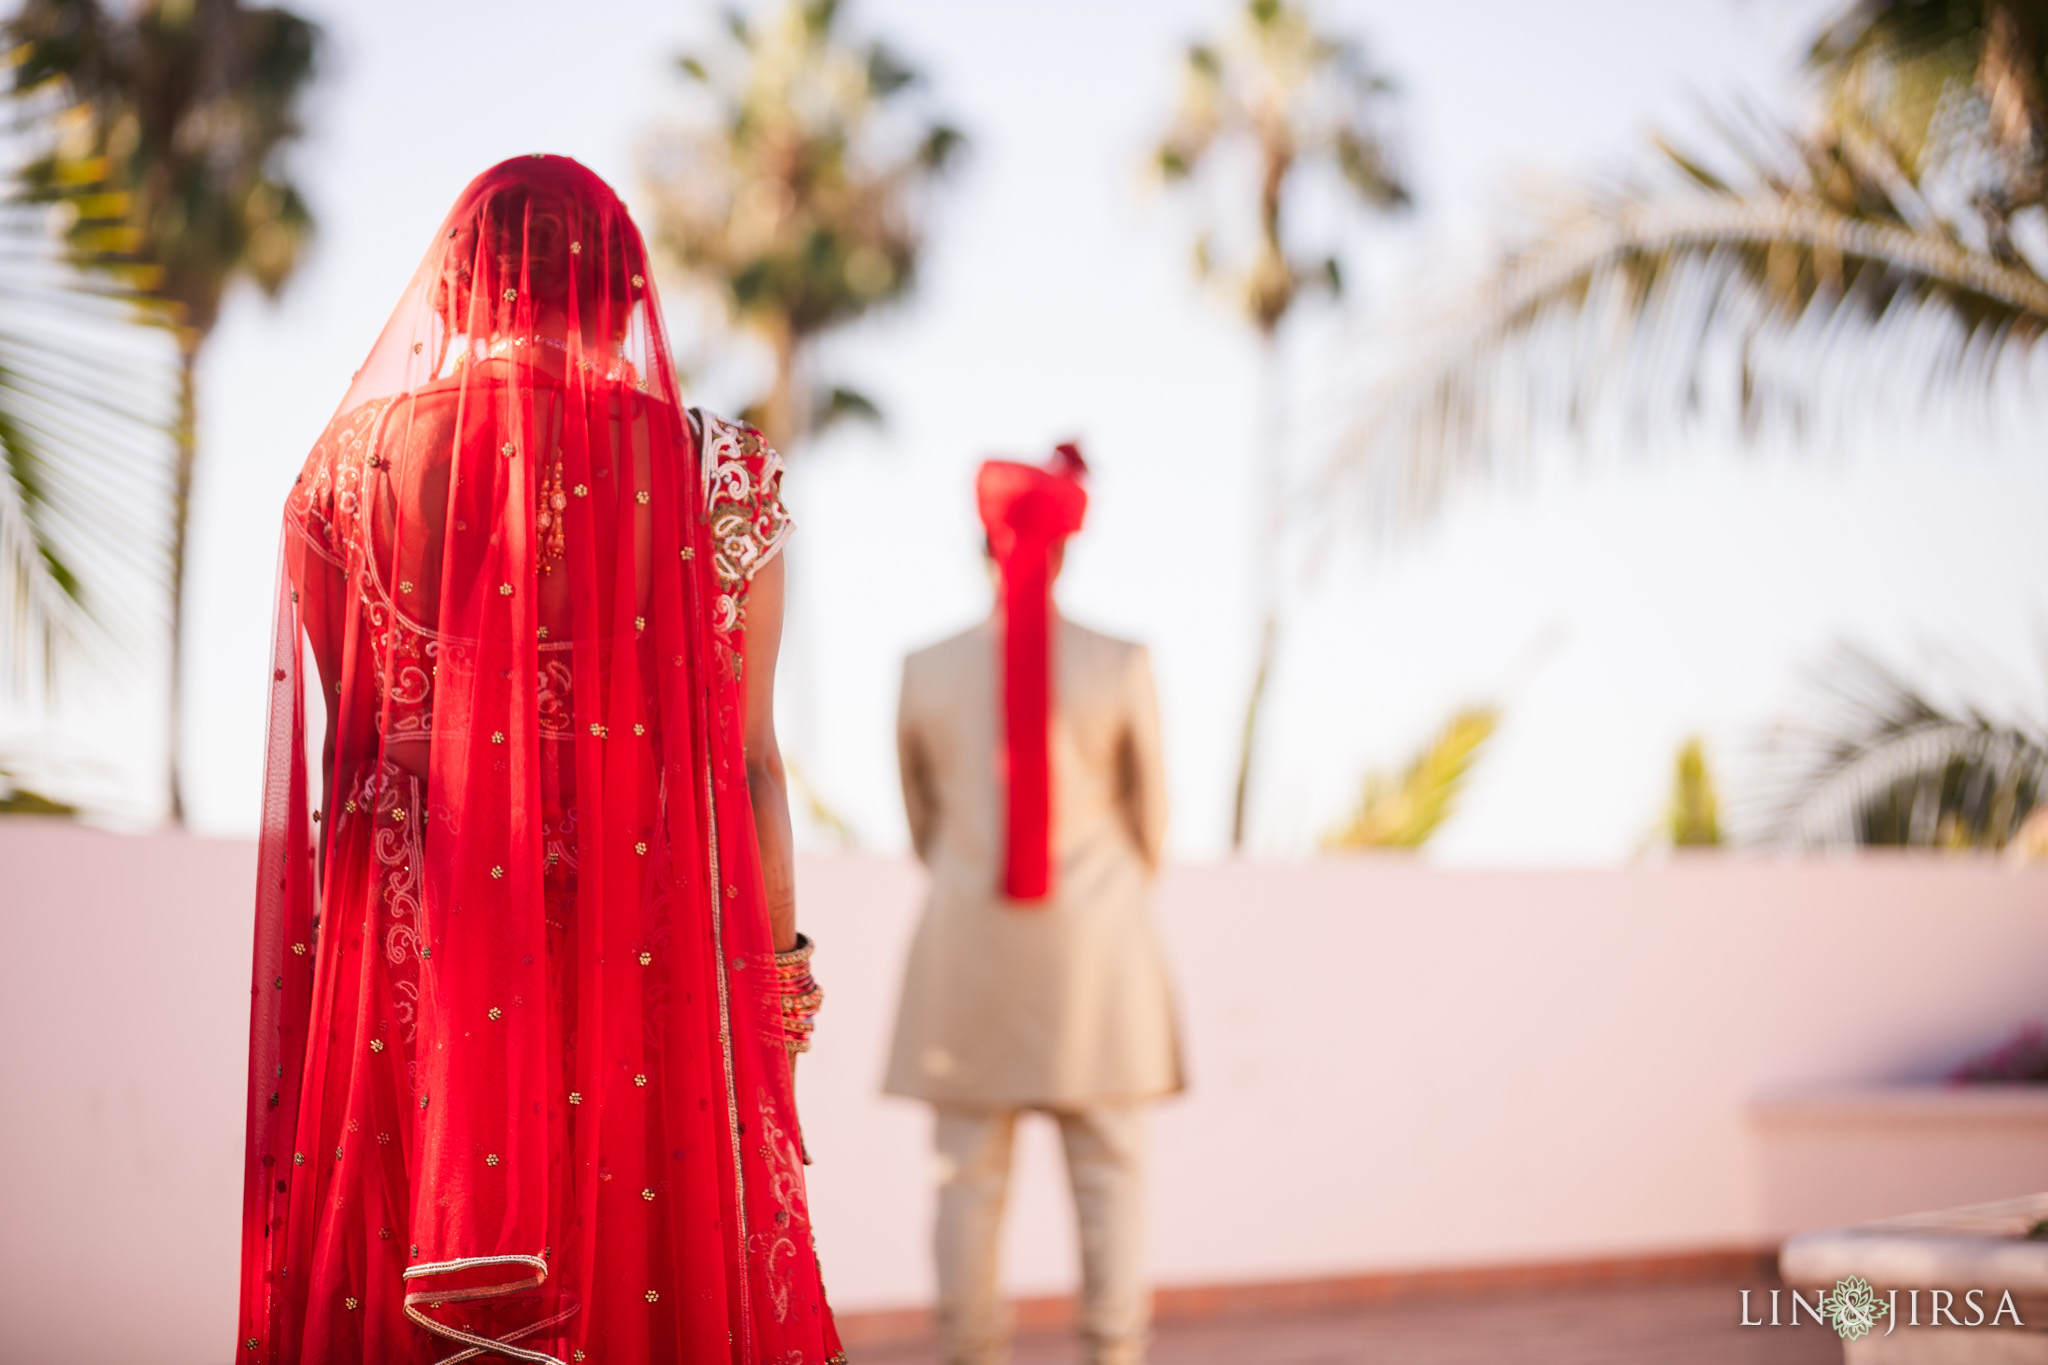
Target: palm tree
x=176 y=112
x=797 y=195
x=1896 y=252
x=1882 y=762
x=1305 y=103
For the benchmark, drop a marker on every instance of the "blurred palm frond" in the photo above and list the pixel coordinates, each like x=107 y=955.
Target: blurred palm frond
x=1881 y=762
x=1404 y=811
x=16 y=799
x=1893 y=256
x=84 y=456
x=1775 y=309
x=1694 y=817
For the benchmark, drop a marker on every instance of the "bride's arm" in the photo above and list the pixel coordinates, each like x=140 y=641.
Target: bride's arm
x=765 y=779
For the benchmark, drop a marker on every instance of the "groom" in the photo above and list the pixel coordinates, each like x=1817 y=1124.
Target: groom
x=1031 y=777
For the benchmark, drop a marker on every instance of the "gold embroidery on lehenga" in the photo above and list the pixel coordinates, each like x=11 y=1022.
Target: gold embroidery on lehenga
x=776 y=1249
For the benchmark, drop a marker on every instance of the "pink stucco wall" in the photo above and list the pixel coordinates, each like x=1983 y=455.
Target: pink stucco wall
x=1393 y=1067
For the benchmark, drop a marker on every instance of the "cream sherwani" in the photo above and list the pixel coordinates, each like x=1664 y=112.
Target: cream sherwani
x=1064 y=1004
x=1062 y=1007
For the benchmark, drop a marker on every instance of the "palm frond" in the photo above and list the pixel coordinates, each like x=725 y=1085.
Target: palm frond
x=1763 y=310
x=84 y=458
x=1882 y=762
x=1404 y=811
x=1894 y=254
x=1693 y=817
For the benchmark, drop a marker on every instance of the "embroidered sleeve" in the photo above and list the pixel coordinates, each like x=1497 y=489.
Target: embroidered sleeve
x=743 y=497
x=324 y=500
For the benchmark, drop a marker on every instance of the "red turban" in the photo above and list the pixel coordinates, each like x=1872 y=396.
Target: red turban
x=1028 y=512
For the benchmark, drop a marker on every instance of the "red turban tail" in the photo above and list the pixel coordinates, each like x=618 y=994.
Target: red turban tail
x=1028 y=512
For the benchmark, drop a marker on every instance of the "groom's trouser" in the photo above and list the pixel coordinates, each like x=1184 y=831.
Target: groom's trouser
x=1105 y=1150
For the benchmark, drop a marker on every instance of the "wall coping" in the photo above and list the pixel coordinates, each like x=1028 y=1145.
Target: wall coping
x=1906 y=1106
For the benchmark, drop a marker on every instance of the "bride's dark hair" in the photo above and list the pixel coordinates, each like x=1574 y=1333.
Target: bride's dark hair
x=549 y=233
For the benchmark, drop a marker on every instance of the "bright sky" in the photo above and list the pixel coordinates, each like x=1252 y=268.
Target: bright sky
x=1683 y=594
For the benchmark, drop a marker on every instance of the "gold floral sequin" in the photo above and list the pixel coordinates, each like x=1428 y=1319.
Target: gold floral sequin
x=641 y=848
x=496 y=1013
x=398 y=816
x=653 y=1296
x=600 y=731
x=405 y=585
x=575 y=1097
x=641 y=497
x=251 y=1343
x=638 y=728
x=337 y=1153
x=575 y=248
x=576 y=1354
x=648 y=1195
x=504 y=590
x=492 y=1160
x=497 y=872
x=646 y=959
x=298 y=1158
x=497 y=736
x=689 y=553
x=511 y=294
x=376 y=1045
x=349 y=806
x=639 y=623
x=351 y=1303
x=508 y=450
x=640 y=1079
x=299 y=949
x=418 y=346
x=581 y=490
x=639 y=283
x=383 y=1234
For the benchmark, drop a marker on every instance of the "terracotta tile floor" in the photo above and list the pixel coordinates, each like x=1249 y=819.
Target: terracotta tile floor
x=1648 y=1325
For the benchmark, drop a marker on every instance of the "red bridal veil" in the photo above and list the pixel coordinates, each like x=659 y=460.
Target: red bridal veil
x=517 y=1079
x=1028 y=512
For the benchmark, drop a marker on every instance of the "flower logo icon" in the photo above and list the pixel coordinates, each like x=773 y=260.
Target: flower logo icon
x=1852 y=1307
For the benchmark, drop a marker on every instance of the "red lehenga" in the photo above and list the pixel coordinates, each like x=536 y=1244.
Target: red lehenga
x=517 y=1079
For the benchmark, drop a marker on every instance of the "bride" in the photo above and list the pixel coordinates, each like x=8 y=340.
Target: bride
x=527 y=980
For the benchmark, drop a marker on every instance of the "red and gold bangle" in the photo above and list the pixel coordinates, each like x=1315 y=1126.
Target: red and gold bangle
x=800 y=993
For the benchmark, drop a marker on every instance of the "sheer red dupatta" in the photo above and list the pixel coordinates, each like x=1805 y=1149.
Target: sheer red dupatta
x=522 y=1093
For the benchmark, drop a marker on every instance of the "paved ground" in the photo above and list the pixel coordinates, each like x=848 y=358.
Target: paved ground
x=1652 y=1325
